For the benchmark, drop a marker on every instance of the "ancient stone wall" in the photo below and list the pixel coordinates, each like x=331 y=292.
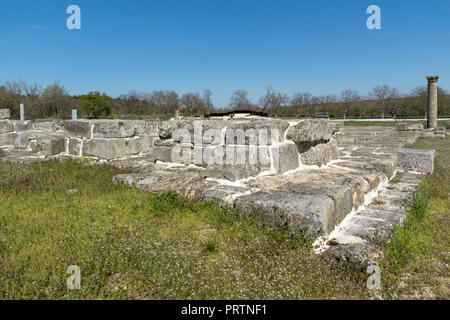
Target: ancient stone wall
x=245 y=147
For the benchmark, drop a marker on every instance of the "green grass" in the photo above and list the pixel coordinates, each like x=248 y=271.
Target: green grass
x=416 y=263
x=133 y=245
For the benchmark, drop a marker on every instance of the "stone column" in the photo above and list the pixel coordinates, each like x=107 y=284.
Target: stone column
x=432 y=105
x=177 y=114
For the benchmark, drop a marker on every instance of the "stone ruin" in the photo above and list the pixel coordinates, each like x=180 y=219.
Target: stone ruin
x=314 y=176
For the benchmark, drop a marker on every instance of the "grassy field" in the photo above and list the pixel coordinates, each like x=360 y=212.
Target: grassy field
x=132 y=245
x=416 y=263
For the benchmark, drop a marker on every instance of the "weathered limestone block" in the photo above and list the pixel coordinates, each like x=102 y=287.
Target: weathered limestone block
x=104 y=148
x=186 y=182
x=78 y=128
x=320 y=154
x=113 y=129
x=152 y=128
x=5 y=114
x=75 y=146
x=200 y=131
x=310 y=132
x=6 y=126
x=303 y=214
x=50 y=145
x=137 y=145
x=162 y=153
x=20 y=126
x=138 y=125
x=23 y=140
x=7 y=139
x=404 y=126
x=45 y=125
x=285 y=157
x=166 y=129
x=417 y=160
x=269 y=130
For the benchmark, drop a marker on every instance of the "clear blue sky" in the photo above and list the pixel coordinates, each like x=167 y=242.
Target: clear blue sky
x=321 y=46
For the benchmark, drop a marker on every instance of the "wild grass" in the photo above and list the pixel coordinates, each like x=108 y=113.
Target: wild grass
x=416 y=264
x=133 y=245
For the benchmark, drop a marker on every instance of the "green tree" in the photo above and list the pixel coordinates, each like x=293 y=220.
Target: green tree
x=95 y=104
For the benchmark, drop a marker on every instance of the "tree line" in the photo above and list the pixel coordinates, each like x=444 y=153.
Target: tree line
x=54 y=101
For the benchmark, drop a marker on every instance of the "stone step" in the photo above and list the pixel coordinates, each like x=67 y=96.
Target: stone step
x=360 y=237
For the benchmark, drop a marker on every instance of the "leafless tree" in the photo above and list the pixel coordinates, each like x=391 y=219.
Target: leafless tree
x=384 y=96
x=240 y=101
x=349 y=98
x=193 y=103
x=207 y=100
x=300 y=100
x=272 y=100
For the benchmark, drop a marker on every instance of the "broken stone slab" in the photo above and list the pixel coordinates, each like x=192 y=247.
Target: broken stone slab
x=6 y=126
x=223 y=194
x=104 y=148
x=418 y=160
x=186 y=182
x=78 y=128
x=5 y=114
x=20 y=126
x=50 y=145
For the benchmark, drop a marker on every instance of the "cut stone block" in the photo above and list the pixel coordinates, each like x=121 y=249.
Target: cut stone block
x=5 y=114
x=320 y=154
x=305 y=214
x=135 y=146
x=104 y=148
x=50 y=145
x=113 y=129
x=75 y=146
x=417 y=160
x=285 y=157
x=44 y=125
x=7 y=139
x=6 y=126
x=22 y=141
x=19 y=126
x=78 y=129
